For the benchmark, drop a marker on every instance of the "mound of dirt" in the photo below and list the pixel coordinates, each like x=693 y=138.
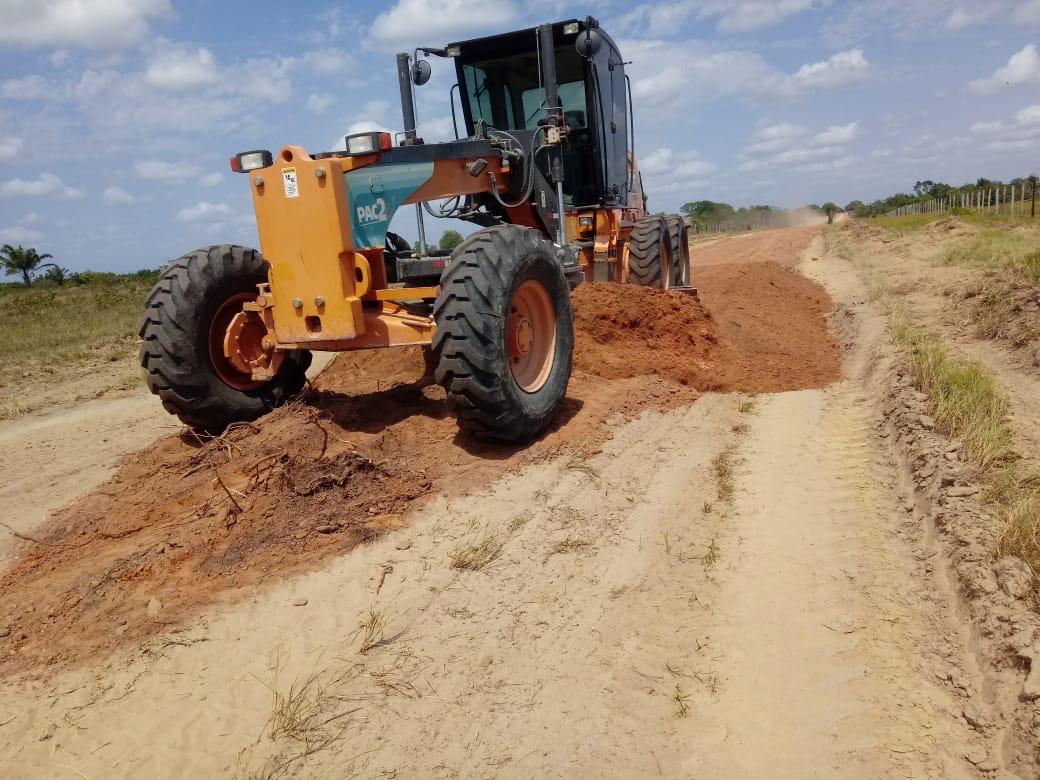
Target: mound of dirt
x=627 y=331
x=187 y=521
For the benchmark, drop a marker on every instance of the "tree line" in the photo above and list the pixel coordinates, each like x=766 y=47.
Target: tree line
x=926 y=190
x=706 y=214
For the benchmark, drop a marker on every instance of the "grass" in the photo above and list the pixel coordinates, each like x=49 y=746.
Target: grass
x=722 y=468
x=369 y=632
x=911 y=223
x=478 y=554
x=41 y=326
x=998 y=249
x=968 y=403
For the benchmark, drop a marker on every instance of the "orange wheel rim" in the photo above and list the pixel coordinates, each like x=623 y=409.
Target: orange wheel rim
x=531 y=336
x=250 y=342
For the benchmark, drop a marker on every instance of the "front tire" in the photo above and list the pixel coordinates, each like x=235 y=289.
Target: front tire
x=650 y=253
x=505 y=333
x=182 y=333
x=679 y=236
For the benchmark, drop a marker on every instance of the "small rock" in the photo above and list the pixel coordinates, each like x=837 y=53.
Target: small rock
x=5 y=632
x=299 y=602
x=1014 y=576
x=404 y=544
x=926 y=421
x=327 y=529
x=974 y=719
x=963 y=490
x=154 y=608
x=122 y=628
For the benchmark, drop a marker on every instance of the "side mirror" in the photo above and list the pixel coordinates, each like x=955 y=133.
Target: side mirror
x=588 y=43
x=421 y=72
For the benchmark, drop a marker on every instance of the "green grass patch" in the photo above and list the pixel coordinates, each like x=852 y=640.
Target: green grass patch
x=903 y=225
x=995 y=248
x=70 y=325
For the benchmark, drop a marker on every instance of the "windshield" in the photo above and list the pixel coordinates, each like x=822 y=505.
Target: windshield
x=505 y=91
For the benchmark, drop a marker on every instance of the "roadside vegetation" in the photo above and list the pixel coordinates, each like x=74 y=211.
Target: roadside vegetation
x=53 y=332
x=968 y=404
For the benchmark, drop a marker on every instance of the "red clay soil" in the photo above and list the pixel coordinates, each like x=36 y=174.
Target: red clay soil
x=185 y=523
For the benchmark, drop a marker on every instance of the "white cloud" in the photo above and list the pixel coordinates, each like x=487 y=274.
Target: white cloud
x=1020 y=133
x=845 y=67
x=89 y=23
x=1022 y=69
x=328 y=62
x=177 y=67
x=46 y=184
x=319 y=102
x=18 y=234
x=32 y=87
x=161 y=170
x=665 y=171
x=411 y=22
x=798 y=147
x=968 y=16
x=117 y=196
x=838 y=134
x=10 y=146
x=667 y=18
x=204 y=211
x=1028 y=13
x=211 y=179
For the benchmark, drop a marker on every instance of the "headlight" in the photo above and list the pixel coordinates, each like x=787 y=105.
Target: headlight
x=366 y=143
x=244 y=162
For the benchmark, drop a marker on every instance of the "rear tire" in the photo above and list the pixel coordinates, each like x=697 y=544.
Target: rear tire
x=679 y=234
x=176 y=343
x=504 y=323
x=649 y=253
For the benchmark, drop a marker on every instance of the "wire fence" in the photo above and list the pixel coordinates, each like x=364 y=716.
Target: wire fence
x=1011 y=200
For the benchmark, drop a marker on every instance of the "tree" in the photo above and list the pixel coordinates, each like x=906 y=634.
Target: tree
x=58 y=275
x=830 y=209
x=450 y=239
x=19 y=260
x=856 y=207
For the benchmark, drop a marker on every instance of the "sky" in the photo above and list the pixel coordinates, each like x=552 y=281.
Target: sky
x=117 y=117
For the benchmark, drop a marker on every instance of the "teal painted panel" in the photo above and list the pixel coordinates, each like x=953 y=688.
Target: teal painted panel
x=375 y=192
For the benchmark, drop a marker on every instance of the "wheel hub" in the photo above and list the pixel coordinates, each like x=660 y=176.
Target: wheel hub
x=241 y=351
x=531 y=336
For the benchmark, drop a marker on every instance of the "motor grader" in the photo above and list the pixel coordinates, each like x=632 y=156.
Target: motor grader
x=543 y=165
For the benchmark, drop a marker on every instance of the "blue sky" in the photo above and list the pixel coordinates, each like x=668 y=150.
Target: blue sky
x=117 y=116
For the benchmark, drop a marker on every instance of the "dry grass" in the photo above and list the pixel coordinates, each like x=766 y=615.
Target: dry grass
x=968 y=403
x=722 y=468
x=478 y=554
x=711 y=557
x=370 y=631
x=682 y=702
x=998 y=249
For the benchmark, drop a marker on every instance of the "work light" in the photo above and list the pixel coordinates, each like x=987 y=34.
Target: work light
x=244 y=162
x=366 y=143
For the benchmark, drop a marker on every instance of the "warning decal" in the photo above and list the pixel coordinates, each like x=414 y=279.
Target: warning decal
x=292 y=189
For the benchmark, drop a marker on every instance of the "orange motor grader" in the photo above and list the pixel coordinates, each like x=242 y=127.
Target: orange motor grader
x=545 y=168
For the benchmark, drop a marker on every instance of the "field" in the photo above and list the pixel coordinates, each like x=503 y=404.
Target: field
x=69 y=343
x=785 y=527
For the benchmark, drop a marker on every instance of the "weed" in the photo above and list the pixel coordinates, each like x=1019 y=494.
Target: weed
x=667 y=543
x=519 y=521
x=747 y=407
x=479 y=553
x=568 y=545
x=993 y=248
x=681 y=702
x=722 y=467
x=369 y=632
x=712 y=556
x=707 y=507
x=741 y=428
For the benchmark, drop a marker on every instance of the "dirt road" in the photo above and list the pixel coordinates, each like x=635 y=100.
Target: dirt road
x=728 y=585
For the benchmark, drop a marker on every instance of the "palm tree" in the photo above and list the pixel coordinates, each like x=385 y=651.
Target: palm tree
x=58 y=275
x=19 y=260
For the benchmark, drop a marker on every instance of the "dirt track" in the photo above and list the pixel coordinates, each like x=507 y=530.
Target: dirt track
x=688 y=585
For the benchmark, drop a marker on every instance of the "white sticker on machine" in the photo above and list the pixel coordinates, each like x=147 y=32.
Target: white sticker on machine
x=292 y=189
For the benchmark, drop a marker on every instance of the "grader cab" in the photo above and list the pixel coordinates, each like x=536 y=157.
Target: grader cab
x=543 y=164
